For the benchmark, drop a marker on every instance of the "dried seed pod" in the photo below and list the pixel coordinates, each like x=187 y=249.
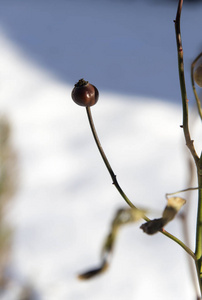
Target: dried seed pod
x=94 y=272
x=153 y=226
x=198 y=75
x=170 y=211
x=85 y=94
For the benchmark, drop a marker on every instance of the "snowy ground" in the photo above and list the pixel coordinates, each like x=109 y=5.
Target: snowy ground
x=66 y=201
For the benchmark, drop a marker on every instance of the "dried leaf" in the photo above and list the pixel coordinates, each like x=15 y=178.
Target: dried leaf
x=109 y=244
x=170 y=211
x=172 y=208
x=176 y=202
x=123 y=216
x=127 y=215
x=94 y=272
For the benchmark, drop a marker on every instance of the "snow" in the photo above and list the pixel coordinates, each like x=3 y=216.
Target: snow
x=65 y=201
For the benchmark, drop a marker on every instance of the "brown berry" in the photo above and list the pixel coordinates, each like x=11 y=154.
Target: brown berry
x=198 y=75
x=85 y=94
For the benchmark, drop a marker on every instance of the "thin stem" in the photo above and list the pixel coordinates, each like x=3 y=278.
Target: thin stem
x=182 y=191
x=107 y=164
x=198 y=251
x=185 y=125
x=193 y=85
x=189 y=142
x=179 y=242
x=115 y=182
x=185 y=226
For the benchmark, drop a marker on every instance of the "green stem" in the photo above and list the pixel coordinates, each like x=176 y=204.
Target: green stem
x=115 y=182
x=179 y=242
x=198 y=251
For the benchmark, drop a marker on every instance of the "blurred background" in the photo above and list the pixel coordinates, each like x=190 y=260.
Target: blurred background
x=64 y=201
x=124 y=46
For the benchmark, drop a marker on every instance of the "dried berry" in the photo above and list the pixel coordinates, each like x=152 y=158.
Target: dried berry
x=198 y=75
x=85 y=94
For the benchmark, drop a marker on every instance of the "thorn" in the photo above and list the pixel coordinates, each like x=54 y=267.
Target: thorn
x=174 y=21
x=114 y=179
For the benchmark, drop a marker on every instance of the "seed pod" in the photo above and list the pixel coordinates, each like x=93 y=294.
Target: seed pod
x=85 y=94
x=198 y=75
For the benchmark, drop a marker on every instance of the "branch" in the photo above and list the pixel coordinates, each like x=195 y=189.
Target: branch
x=190 y=145
x=185 y=126
x=115 y=182
x=107 y=164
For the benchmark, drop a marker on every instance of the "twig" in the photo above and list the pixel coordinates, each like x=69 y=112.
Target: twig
x=182 y=191
x=190 y=145
x=185 y=225
x=116 y=184
x=107 y=164
x=185 y=126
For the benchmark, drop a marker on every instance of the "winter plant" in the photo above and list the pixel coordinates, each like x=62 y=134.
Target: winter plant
x=85 y=94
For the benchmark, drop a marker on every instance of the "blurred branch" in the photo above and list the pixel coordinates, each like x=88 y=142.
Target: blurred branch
x=190 y=145
x=122 y=217
x=198 y=102
x=185 y=125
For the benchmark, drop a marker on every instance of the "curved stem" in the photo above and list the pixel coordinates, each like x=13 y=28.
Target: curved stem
x=185 y=125
x=179 y=242
x=190 y=144
x=107 y=164
x=115 y=182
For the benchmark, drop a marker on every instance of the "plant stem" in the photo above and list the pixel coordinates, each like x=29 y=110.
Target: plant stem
x=179 y=242
x=185 y=125
x=198 y=251
x=182 y=191
x=115 y=182
x=107 y=164
x=190 y=145
x=185 y=225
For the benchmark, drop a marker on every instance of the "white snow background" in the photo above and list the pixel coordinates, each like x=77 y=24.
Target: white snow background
x=66 y=201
